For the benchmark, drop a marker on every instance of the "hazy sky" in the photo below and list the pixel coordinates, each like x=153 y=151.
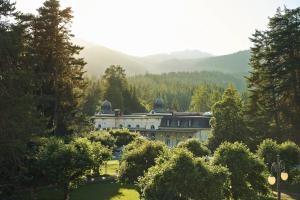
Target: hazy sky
x=142 y=27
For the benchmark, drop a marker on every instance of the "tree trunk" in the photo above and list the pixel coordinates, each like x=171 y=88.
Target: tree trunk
x=66 y=191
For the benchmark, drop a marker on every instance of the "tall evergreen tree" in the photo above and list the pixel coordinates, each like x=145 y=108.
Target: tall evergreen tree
x=19 y=118
x=227 y=121
x=118 y=92
x=58 y=70
x=274 y=82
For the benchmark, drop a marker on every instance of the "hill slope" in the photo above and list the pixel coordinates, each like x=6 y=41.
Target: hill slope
x=98 y=58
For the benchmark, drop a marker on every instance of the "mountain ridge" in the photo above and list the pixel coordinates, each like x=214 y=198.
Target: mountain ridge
x=98 y=58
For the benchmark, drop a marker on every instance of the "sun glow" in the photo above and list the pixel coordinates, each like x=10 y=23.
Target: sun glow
x=142 y=27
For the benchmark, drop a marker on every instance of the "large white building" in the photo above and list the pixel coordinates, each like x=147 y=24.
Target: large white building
x=168 y=127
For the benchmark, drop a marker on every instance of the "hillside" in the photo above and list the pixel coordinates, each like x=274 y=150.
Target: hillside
x=232 y=63
x=98 y=58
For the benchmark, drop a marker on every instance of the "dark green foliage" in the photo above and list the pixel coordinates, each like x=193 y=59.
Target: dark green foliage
x=117 y=91
x=123 y=136
x=177 y=89
x=91 y=101
x=274 y=83
x=195 y=146
x=178 y=175
x=227 y=122
x=267 y=151
x=19 y=118
x=58 y=70
x=290 y=154
x=102 y=137
x=67 y=164
x=247 y=172
x=138 y=158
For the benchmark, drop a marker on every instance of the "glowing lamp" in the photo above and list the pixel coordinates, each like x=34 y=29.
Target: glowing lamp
x=284 y=176
x=271 y=180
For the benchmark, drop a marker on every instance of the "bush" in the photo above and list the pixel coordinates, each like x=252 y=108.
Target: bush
x=123 y=136
x=268 y=151
x=290 y=154
x=195 y=146
x=66 y=165
x=178 y=175
x=103 y=137
x=247 y=178
x=135 y=161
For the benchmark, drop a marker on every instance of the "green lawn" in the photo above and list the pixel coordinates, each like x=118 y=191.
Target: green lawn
x=110 y=168
x=95 y=191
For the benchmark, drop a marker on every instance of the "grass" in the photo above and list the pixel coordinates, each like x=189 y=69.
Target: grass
x=94 y=191
x=110 y=168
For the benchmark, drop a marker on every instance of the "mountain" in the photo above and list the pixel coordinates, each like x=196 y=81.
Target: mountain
x=231 y=63
x=98 y=58
x=186 y=54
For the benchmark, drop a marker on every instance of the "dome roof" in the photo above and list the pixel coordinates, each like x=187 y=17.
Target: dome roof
x=158 y=103
x=106 y=107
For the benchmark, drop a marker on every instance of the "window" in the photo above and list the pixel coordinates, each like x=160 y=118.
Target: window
x=168 y=122
x=121 y=126
x=138 y=126
x=178 y=123
x=190 y=123
x=168 y=140
x=128 y=126
x=152 y=127
x=99 y=126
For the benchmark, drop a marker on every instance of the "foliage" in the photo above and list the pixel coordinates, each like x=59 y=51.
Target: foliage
x=92 y=94
x=58 y=70
x=274 y=83
x=290 y=154
x=19 y=119
x=267 y=151
x=247 y=172
x=102 y=137
x=227 y=121
x=117 y=91
x=195 y=146
x=151 y=86
x=136 y=161
x=179 y=175
x=123 y=136
x=66 y=164
x=204 y=97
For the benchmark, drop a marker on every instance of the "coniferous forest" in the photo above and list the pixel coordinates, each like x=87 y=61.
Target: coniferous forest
x=48 y=102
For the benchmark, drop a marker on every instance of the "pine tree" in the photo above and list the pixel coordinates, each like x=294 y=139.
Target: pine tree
x=19 y=119
x=274 y=83
x=58 y=70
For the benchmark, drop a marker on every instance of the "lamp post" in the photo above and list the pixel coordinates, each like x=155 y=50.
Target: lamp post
x=278 y=168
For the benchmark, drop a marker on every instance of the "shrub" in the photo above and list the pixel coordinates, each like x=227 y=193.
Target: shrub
x=135 y=161
x=195 y=146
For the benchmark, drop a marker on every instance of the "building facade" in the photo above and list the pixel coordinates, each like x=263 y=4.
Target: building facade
x=168 y=127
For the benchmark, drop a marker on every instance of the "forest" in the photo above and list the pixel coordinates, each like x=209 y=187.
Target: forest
x=47 y=104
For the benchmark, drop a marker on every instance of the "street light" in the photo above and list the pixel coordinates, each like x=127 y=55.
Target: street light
x=279 y=168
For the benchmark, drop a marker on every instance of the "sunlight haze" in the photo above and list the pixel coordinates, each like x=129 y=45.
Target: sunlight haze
x=143 y=27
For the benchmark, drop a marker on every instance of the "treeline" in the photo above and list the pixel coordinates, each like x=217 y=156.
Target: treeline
x=177 y=88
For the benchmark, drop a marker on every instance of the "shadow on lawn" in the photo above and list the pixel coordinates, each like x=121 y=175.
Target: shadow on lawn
x=97 y=191
x=91 y=191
